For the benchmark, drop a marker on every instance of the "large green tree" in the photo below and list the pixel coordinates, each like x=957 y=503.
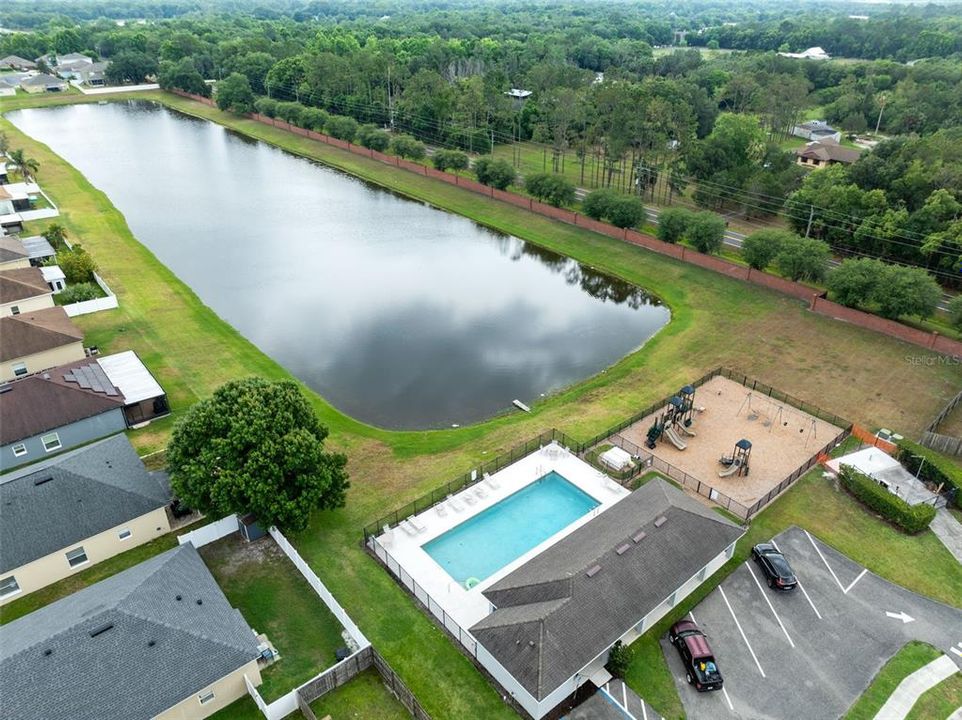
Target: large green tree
x=256 y=446
x=234 y=94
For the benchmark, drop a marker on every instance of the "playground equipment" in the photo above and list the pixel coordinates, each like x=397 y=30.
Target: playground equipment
x=737 y=462
x=673 y=420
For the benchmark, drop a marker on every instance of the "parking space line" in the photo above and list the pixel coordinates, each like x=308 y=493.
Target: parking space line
x=644 y=711
x=770 y=606
x=864 y=570
x=739 y=626
x=730 y=706
x=824 y=560
x=802 y=588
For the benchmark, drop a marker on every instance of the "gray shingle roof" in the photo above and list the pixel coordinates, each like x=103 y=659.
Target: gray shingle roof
x=552 y=619
x=118 y=674
x=90 y=490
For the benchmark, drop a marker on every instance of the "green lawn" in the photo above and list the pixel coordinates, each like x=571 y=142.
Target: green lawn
x=906 y=661
x=715 y=321
x=364 y=698
x=69 y=585
x=275 y=599
x=939 y=702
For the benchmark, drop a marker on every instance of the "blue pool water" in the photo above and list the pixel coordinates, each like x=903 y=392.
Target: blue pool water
x=479 y=547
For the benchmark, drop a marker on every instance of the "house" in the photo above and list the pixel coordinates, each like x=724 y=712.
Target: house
x=13 y=253
x=817 y=130
x=94 y=74
x=75 y=403
x=74 y=511
x=812 y=53
x=43 y=83
x=555 y=618
x=10 y=220
x=15 y=62
x=36 y=340
x=24 y=290
x=38 y=249
x=822 y=154
x=518 y=97
x=158 y=640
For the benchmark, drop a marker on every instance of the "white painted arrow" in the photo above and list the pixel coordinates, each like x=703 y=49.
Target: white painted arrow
x=903 y=616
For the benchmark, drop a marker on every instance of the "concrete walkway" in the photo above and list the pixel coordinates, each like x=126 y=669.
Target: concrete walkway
x=949 y=531
x=908 y=692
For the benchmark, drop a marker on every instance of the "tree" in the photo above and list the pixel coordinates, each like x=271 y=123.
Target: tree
x=496 y=173
x=56 y=235
x=234 y=94
x=313 y=119
x=672 y=224
x=290 y=111
x=597 y=203
x=803 y=258
x=553 y=189
x=26 y=166
x=371 y=137
x=342 y=128
x=256 y=446
x=407 y=147
x=955 y=312
x=4 y=143
x=619 y=659
x=906 y=291
x=626 y=211
x=77 y=265
x=450 y=160
x=129 y=66
x=855 y=282
x=760 y=248
x=182 y=75
x=706 y=232
x=266 y=106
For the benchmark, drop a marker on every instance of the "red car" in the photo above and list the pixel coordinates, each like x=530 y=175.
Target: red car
x=696 y=655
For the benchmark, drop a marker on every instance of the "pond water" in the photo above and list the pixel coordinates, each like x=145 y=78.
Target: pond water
x=399 y=314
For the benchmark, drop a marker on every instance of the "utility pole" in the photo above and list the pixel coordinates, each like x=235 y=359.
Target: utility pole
x=390 y=100
x=881 y=109
x=811 y=215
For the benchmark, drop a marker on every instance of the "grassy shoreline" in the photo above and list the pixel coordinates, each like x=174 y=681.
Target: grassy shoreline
x=716 y=321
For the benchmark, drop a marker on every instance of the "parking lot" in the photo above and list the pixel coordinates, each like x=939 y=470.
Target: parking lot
x=808 y=654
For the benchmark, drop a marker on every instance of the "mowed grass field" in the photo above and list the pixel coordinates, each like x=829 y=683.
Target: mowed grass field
x=857 y=374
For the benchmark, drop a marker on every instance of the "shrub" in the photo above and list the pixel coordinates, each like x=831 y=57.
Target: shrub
x=931 y=467
x=910 y=518
x=706 y=232
x=619 y=659
x=234 y=94
x=450 y=160
x=906 y=291
x=290 y=111
x=77 y=265
x=597 y=204
x=79 y=293
x=955 y=313
x=371 y=137
x=803 y=258
x=266 y=106
x=550 y=188
x=496 y=173
x=626 y=211
x=342 y=128
x=855 y=282
x=760 y=248
x=672 y=224
x=313 y=119
x=408 y=147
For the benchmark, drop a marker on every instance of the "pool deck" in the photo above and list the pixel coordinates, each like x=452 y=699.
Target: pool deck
x=467 y=607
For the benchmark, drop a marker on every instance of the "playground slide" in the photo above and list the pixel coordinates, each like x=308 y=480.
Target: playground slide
x=687 y=431
x=729 y=471
x=675 y=440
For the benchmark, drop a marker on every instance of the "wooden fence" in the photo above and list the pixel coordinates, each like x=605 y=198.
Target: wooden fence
x=931 y=438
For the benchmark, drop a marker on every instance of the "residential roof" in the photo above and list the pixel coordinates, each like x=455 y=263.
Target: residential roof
x=4 y=195
x=41 y=79
x=17 y=61
x=828 y=151
x=22 y=283
x=34 y=332
x=129 y=374
x=52 y=273
x=126 y=648
x=62 y=502
x=11 y=248
x=39 y=403
x=567 y=605
x=38 y=246
x=73 y=57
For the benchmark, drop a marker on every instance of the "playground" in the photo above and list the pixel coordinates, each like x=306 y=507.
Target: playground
x=711 y=423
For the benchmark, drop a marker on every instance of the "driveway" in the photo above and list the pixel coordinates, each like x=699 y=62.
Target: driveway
x=811 y=653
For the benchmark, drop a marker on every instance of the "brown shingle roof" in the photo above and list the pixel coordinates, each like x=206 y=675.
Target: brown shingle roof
x=37 y=403
x=4 y=195
x=11 y=248
x=22 y=283
x=35 y=332
x=829 y=151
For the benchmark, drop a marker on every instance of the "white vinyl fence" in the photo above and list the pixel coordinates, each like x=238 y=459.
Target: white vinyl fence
x=210 y=532
x=91 y=306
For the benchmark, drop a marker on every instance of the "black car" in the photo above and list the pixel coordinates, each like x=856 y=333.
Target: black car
x=696 y=655
x=775 y=566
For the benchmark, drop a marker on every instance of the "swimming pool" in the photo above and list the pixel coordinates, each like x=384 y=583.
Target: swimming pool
x=482 y=545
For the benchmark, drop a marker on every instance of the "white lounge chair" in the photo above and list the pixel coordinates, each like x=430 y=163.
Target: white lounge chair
x=480 y=491
x=455 y=505
x=418 y=525
x=490 y=482
x=469 y=498
x=441 y=510
x=408 y=528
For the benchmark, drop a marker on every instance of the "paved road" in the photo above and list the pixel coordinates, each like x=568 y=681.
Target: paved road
x=810 y=654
